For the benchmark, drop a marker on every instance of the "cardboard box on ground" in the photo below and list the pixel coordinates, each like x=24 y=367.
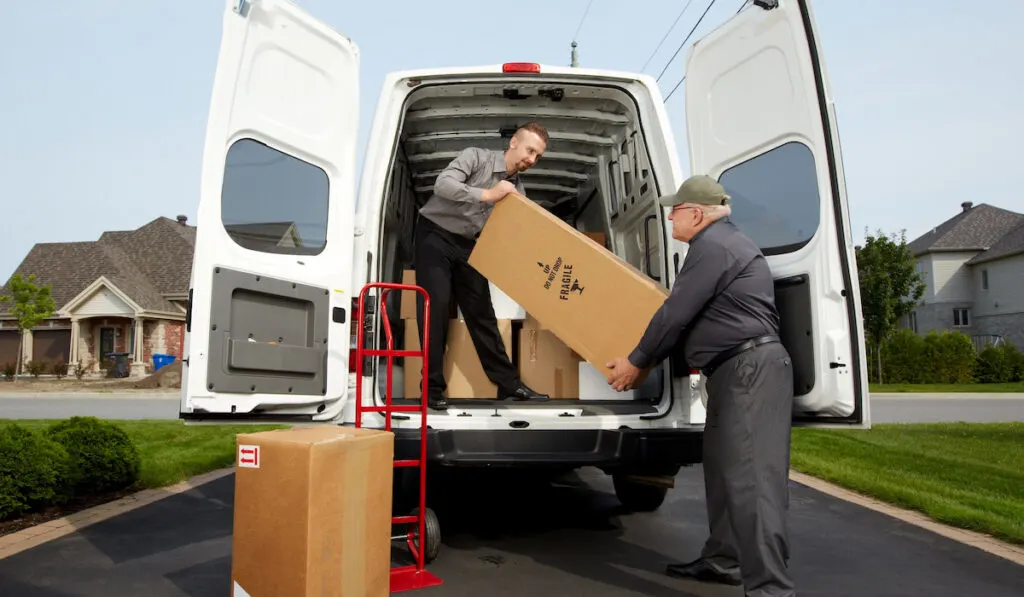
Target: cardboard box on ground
x=312 y=513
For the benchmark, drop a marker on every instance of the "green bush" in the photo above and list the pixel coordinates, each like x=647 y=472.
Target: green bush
x=901 y=358
x=948 y=357
x=937 y=358
x=32 y=471
x=101 y=455
x=999 y=364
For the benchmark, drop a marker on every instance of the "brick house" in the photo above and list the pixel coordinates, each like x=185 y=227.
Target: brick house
x=126 y=292
x=973 y=268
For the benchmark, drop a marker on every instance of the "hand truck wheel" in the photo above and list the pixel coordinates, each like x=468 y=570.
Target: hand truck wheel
x=432 y=530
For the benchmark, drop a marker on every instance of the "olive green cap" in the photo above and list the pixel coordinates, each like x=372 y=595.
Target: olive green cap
x=700 y=189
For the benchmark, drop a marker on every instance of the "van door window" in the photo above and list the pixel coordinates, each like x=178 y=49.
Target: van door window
x=775 y=198
x=273 y=202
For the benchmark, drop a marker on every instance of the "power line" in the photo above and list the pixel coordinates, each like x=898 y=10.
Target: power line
x=666 y=35
x=674 y=88
x=584 y=18
x=743 y=4
x=679 y=49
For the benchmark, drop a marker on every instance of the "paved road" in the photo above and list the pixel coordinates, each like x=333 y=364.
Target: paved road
x=885 y=408
x=162 y=405
x=503 y=539
x=940 y=408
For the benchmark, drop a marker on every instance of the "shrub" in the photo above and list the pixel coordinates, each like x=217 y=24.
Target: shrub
x=79 y=370
x=10 y=369
x=948 y=357
x=35 y=368
x=60 y=368
x=32 y=470
x=101 y=455
x=901 y=358
x=999 y=364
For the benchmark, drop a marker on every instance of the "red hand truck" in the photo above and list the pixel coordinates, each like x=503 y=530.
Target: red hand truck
x=424 y=541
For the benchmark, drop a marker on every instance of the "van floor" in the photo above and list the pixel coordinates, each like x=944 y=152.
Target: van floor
x=590 y=407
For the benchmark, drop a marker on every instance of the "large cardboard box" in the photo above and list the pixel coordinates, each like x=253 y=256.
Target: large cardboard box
x=546 y=364
x=594 y=301
x=312 y=513
x=463 y=371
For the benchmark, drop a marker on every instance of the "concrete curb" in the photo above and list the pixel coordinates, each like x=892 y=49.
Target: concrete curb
x=54 y=529
x=981 y=541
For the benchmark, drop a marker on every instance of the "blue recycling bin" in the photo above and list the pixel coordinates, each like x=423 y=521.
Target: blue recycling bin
x=162 y=360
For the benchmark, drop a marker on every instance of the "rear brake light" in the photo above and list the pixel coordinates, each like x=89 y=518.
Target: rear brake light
x=520 y=67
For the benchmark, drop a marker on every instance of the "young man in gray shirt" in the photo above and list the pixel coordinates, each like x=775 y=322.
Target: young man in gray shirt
x=450 y=222
x=722 y=313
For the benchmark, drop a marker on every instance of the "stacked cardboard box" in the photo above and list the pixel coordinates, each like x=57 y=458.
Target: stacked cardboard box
x=463 y=371
x=312 y=513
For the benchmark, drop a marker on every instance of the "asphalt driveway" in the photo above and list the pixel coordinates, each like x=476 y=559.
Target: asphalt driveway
x=504 y=538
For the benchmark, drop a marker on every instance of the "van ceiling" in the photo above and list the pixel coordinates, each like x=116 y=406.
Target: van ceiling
x=583 y=123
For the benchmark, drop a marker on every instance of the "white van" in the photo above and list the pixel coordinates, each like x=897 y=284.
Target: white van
x=285 y=243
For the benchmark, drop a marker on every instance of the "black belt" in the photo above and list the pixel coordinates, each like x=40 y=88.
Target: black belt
x=725 y=355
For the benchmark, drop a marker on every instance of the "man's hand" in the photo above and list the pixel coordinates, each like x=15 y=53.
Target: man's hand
x=623 y=374
x=497 y=192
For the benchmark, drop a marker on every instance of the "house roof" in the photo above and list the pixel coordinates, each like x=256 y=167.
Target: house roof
x=976 y=228
x=145 y=264
x=1010 y=244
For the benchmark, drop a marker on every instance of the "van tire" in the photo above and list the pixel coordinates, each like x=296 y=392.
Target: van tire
x=638 y=497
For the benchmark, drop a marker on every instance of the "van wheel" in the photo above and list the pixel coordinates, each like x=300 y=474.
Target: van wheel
x=638 y=497
x=432 y=532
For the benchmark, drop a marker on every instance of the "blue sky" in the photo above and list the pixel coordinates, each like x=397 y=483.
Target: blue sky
x=103 y=114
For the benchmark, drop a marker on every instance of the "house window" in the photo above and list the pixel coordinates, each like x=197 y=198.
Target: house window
x=912 y=321
x=961 y=318
x=775 y=198
x=984 y=279
x=273 y=202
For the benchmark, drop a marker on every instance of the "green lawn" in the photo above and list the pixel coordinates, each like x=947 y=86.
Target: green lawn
x=949 y=388
x=967 y=475
x=171 y=451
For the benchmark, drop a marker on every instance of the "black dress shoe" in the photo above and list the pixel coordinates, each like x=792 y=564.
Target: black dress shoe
x=700 y=570
x=521 y=393
x=440 y=403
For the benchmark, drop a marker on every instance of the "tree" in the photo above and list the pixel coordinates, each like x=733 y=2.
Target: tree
x=890 y=286
x=29 y=303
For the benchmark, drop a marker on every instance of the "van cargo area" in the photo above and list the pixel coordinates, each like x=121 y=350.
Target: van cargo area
x=596 y=175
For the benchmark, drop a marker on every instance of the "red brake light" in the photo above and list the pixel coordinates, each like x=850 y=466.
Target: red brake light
x=520 y=67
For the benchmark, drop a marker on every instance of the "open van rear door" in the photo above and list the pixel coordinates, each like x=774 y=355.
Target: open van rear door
x=760 y=120
x=267 y=335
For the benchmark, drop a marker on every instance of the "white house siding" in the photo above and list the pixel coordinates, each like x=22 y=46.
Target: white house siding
x=999 y=311
x=952 y=277
x=104 y=302
x=1005 y=294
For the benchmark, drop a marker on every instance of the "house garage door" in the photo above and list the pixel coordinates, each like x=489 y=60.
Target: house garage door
x=51 y=345
x=8 y=347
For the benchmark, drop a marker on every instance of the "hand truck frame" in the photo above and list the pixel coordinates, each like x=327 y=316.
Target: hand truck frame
x=403 y=578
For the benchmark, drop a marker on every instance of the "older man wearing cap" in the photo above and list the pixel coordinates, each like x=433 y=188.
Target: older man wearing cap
x=722 y=314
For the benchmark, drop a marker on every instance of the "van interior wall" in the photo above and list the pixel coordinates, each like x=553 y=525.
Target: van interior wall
x=595 y=173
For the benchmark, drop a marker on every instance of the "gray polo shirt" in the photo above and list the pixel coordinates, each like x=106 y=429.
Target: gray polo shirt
x=723 y=296
x=455 y=204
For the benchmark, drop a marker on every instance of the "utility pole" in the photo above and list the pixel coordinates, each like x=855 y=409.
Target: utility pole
x=575 y=57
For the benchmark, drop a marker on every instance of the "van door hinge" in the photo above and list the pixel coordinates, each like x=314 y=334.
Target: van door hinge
x=242 y=7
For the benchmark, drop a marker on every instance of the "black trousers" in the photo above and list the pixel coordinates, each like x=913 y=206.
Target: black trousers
x=443 y=270
x=746 y=469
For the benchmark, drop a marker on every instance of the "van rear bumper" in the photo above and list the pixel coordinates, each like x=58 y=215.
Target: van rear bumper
x=631 y=449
